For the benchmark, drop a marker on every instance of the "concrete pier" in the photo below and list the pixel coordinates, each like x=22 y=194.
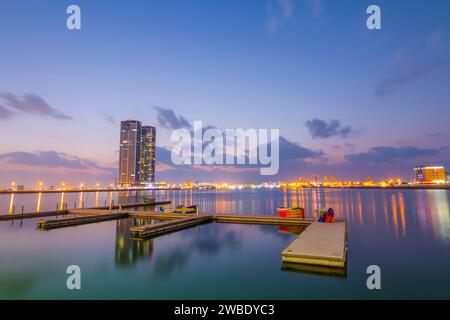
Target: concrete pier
x=156 y=229
x=321 y=244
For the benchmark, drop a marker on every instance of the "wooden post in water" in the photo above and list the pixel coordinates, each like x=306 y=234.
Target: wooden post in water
x=22 y=209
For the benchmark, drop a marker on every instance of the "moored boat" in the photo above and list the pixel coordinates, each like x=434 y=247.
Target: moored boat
x=148 y=200
x=295 y=212
x=186 y=210
x=166 y=208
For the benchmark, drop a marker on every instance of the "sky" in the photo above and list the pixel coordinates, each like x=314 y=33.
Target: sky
x=349 y=101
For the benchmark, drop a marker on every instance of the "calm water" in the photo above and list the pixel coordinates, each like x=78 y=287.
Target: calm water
x=406 y=233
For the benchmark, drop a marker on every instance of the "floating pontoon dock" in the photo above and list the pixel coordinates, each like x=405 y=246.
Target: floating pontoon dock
x=153 y=230
x=70 y=222
x=34 y=215
x=320 y=244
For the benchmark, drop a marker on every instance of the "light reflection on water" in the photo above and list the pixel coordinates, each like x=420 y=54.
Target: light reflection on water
x=430 y=208
x=406 y=232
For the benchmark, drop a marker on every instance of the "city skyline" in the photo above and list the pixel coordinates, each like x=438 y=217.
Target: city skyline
x=349 y=102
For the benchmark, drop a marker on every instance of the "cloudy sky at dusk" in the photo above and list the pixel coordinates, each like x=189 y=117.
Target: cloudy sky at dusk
x=348 y=101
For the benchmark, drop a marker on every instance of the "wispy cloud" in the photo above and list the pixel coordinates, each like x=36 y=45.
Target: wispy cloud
x=434 y=40
x=378 y=155
x=411 y=71
x=434 y=135
x=321 y=129
x=32 y=104
x=50 y=159
x=287 y=8
x=5 y=113
x=169 y=120
x=406 y=74
x=109 y=118
x=317 y=10
x=278 y=11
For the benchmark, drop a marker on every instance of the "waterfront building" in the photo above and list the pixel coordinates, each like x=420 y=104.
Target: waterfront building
x=148 y=155
x=129 y=153
x=429 y=174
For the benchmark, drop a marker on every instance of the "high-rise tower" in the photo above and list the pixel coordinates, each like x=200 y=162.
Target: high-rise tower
x=148 y=155
x=129 y=157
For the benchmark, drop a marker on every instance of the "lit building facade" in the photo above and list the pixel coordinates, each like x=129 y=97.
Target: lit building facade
x=429 y=174
x=129 y=153
x=148 y=155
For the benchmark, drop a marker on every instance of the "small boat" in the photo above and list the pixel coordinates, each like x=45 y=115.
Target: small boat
x=186 y=210
x=148 y=200
x=295 y=212
x=167 y=208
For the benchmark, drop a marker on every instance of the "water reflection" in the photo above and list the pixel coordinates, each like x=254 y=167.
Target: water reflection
x=206 y=241
x=433 y=213
x=38 y=205
x=210 y=241
x=61 y=201
x=11 y=204
x=129 y=252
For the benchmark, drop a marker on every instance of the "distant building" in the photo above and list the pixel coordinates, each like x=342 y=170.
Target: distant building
x=148 y=155
x=429 y=174
x=129 y=153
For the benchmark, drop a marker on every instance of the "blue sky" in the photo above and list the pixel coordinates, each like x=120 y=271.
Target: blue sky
x=231 y=64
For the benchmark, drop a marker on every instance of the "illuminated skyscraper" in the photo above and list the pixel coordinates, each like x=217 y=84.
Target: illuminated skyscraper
x=148 y=156
x=129 y=153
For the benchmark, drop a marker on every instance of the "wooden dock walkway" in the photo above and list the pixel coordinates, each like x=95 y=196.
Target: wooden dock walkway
x=161 y=215
x=226 y=218
x=320 y=244
x=81 y=211
x=70 y=222
x=157 y=229
x=23 y=216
